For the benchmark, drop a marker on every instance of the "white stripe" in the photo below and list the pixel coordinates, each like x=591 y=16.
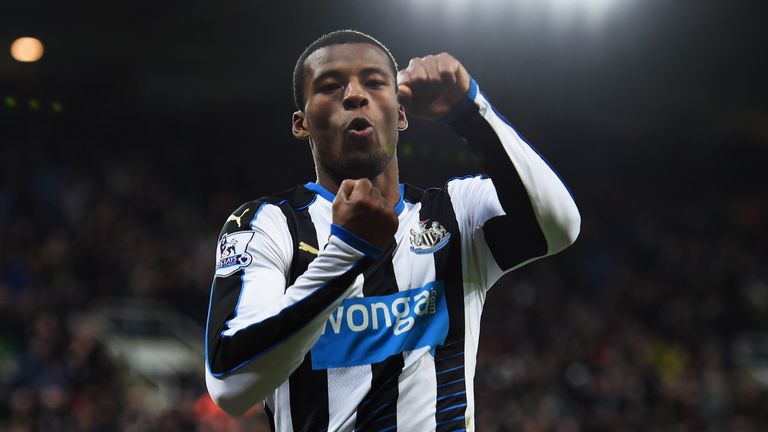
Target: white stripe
x=417 y=384
x=320 y=213
x=421 y=267
x=280 y=404
x=270 y=222
x=346 y=388
x=418 y=390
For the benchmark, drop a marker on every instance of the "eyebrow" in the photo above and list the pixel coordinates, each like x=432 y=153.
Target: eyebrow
x=336 y=74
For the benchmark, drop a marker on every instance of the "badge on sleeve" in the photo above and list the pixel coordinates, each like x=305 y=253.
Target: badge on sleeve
x=232 y=253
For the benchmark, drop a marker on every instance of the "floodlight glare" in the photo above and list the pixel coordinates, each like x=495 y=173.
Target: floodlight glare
x=27 y=49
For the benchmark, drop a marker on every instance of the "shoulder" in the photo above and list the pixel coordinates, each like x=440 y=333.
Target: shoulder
x=267 y=211
x=414 y=194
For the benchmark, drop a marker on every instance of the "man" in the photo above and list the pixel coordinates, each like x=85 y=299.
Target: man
x=354 y=302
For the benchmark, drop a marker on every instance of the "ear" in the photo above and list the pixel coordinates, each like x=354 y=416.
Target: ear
x=300 y=126
x=402 y=120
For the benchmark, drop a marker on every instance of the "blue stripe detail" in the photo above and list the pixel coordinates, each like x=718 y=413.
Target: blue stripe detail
x=504 y=119
x=207 y=321
x=451 y=369
x=401 y=203
x=453 y=343
x=472 y=89
x=388 y=429
x=450 y=382
x=277 y=344
x=463 y=105
x=450 y=357
x=453 y=407
x=325 y=193
x=449 y=421
x=356 y=241
x=383 y=384
x=384 y=418
x=450 y=395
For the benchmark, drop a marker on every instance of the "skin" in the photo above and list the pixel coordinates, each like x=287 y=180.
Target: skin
x=354 y=81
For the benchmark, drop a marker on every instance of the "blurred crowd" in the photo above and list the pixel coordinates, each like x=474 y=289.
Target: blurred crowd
x=630 y=330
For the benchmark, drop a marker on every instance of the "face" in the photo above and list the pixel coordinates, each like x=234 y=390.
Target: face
x=351 y=114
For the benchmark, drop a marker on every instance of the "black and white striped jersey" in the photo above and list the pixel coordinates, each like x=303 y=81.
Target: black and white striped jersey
x=335 y=334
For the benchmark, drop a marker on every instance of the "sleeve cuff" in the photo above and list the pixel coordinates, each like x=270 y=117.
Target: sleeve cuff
x=462 y=106
x=356 y=241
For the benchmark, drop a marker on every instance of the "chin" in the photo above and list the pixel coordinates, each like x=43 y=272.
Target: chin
x=365 y=165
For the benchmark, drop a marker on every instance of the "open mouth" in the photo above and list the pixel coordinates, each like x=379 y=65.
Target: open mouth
x=360 y=127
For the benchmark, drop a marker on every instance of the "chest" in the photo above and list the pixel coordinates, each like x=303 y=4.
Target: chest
x=424 y=243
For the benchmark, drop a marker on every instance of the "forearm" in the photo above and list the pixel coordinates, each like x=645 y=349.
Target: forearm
x=527 y=187
x=245 y=364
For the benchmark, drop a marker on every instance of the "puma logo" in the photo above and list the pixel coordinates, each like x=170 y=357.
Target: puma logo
x=232 y=217
x=305 y=247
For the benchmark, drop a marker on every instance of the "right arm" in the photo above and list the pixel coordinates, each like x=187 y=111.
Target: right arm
x=259 y=329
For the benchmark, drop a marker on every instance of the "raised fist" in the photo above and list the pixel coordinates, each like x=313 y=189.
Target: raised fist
x=431 y=86
x=360 y=208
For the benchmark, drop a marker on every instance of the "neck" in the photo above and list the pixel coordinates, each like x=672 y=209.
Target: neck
x=387 y=182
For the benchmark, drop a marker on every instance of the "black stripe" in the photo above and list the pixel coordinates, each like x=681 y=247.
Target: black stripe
x=224 y=296
x=517 y=236
x=379 y=279
x=378 y=409
x=309 y=398
x=308 y=387
x=449 y=357
x=270 y=417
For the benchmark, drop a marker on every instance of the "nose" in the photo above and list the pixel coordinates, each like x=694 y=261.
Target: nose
x=355 y=96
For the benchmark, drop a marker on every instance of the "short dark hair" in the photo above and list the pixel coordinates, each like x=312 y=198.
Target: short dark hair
x=334 y=38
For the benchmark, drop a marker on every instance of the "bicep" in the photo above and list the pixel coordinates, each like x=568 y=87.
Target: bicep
x=263 y=281
x=509 y=236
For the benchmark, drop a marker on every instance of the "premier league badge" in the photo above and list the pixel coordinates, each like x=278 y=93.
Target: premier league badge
x=232 y=254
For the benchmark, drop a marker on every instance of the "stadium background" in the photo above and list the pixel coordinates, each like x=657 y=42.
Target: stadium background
x=124 y=149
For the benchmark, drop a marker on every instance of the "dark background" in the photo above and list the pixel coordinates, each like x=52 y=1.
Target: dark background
x=174 y=113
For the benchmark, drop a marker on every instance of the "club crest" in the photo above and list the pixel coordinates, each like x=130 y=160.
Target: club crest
x=429 y=239
x=231 y=255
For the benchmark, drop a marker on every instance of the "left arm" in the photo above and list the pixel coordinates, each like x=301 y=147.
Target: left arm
x=524 y=211
x=533 y=198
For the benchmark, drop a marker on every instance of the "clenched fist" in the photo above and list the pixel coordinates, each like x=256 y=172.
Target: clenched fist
x=360 y=208
x=431 y=86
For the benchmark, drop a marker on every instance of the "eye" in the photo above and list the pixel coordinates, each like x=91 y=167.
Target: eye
x=328 y=87
x=375 y=84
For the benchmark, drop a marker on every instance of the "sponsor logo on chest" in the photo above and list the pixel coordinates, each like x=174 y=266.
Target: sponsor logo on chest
x=364 y=330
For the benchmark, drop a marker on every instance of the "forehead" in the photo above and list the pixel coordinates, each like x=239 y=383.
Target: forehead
x=346 y=58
